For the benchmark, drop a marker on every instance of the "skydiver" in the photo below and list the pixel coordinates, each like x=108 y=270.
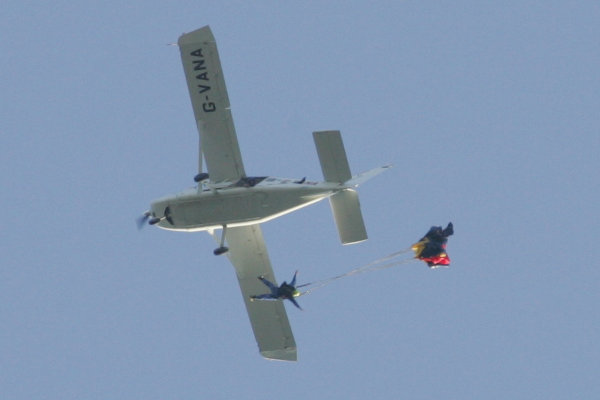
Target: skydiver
x=285 y=291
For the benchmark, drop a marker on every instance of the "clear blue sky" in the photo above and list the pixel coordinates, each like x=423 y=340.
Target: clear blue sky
x=488 y=111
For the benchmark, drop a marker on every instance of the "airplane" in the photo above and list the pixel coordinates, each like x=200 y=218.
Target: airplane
x=228 y=199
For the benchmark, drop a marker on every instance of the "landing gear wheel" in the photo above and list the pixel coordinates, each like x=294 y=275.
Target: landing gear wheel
x=221 y=250
x=201 y=177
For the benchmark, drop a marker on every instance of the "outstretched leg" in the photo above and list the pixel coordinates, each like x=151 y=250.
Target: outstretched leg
x=295 y=303
x=293 y=282
x=266 y=296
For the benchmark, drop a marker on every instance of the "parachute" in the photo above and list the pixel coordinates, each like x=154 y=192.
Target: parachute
x=432 y=247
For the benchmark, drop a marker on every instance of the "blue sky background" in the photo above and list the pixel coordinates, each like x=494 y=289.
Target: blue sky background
x=488 y=111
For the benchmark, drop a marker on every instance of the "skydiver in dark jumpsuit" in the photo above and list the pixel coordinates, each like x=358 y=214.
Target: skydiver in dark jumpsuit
x=285 y=291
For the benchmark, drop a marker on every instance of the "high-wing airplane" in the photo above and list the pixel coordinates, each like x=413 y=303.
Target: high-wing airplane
x=227 y=198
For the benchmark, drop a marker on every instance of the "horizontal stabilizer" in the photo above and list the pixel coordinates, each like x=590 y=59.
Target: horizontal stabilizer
x=348 y=217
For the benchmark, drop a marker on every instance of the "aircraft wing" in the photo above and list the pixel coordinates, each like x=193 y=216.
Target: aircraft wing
x=204 y=76
x=248 y=254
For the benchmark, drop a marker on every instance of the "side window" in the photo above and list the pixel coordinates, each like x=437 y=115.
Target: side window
x=250 y=181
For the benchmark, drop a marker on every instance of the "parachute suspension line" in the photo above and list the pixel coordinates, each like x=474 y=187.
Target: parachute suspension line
x=325 y=282
x=393 y=264
x=386 y=258
x=372 y=266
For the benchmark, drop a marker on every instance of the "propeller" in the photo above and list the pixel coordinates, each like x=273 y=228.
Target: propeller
x=142 y=220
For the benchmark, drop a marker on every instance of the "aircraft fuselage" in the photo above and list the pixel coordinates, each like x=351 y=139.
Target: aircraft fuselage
x=248 y=201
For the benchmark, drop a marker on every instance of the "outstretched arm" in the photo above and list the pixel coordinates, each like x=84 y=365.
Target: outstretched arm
x=268 y=283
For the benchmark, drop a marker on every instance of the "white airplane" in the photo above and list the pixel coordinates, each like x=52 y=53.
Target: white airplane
x=228 y=199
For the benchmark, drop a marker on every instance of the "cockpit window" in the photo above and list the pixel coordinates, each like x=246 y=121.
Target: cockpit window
x=250 y=181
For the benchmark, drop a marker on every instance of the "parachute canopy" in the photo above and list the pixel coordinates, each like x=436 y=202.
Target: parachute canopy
x=432 y=247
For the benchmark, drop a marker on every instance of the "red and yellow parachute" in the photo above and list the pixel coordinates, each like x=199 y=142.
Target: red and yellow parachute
x=432 y=247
